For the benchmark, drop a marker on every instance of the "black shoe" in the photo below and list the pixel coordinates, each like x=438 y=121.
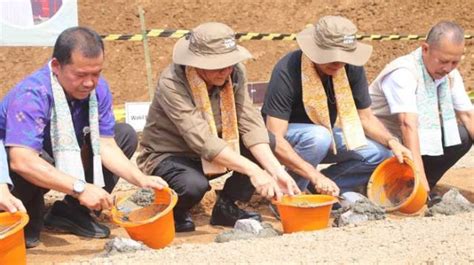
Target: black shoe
x=226 y=213
x=183 y=222
x=433 y=199
x=75 y=219
x=31 y=241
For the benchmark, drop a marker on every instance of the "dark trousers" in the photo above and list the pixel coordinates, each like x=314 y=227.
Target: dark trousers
x=186 y=177
x=436 y=166
x=32 y=195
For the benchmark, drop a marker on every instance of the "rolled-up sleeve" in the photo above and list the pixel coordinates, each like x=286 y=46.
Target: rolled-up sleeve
x=188 y=119
x=250 y=121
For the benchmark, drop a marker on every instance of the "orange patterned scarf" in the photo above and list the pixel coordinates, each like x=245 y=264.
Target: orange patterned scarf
x=315 y=104
x=230 y=132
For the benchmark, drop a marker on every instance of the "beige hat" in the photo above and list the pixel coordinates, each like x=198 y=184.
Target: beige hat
x=209 y=46
x=333 y=39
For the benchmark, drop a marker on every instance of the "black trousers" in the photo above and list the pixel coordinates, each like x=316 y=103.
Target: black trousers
x=185 y=176
x=436 y=166
x=32 y=195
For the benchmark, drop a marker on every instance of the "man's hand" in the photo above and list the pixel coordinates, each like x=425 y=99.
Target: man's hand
x=95 y=198
x=399 y=150
x=8 y=202
x=324 y=185
x=265 y=185
x=153 y=182
x=286 y=183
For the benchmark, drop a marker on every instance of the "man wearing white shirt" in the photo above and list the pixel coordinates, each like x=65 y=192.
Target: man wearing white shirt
x=420 y=98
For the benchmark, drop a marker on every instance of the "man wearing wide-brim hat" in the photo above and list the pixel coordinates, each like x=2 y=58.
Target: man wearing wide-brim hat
x=201 y=120
x=318 y=107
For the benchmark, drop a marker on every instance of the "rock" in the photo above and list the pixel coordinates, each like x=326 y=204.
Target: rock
x=249 y=226
x=350 y=198
x=122 y=245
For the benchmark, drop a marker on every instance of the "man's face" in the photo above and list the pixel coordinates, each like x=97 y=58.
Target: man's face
x=79 y=77
x=441 y=59
x=330 y=68
x=215 y=77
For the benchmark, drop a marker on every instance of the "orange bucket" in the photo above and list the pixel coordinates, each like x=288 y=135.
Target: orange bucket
x=305 y=212
x=397 y=187
x=156 y=231
x=12 y=242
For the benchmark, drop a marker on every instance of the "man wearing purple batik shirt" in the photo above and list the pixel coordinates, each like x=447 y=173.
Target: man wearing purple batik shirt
x=25 y=128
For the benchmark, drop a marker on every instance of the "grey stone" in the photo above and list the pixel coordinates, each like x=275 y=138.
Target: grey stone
x=122 y=245
x=249 y=226
x=350 y=197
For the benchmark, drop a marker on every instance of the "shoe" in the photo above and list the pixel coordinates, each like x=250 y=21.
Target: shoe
x=31 y=241
x=433 y=199
x=75 y=219
x=32 y=230
x=226 y=213
x=274 y=211
x=183 y=222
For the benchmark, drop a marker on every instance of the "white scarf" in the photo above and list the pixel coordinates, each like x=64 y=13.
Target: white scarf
x=66 y=151
x=432 y=102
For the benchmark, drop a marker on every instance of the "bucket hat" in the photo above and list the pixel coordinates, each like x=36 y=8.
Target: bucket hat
x=209 y=46
x=333 y=39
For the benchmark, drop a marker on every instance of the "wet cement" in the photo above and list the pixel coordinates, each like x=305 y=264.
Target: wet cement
x=236 y=234
x=122 y=245
x=143 y=197
x=451 y=203
x=140 y=206
x=360 y=211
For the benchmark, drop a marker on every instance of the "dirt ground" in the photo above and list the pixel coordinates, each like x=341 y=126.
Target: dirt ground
x=125 y=66
x=125 y=71
x=57 y=247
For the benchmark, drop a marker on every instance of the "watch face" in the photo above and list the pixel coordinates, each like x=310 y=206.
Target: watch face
x=79 y=186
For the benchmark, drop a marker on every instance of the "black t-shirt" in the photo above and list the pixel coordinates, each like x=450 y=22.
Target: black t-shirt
x=284 y=96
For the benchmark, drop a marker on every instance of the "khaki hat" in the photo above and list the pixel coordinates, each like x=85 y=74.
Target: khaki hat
x=333 y=39
x=209 y=46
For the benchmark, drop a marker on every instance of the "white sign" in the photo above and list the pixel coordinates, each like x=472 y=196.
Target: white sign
x=35 y=22
x=136 y=113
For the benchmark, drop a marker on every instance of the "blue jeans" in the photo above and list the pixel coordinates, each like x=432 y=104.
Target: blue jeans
x=350 y=170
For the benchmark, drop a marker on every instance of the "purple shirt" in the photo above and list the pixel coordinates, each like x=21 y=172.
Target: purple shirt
x=25 y=112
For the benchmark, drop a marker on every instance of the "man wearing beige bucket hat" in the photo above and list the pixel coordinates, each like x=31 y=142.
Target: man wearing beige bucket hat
x=318 y=107
x=419 y=95
x=201 y=124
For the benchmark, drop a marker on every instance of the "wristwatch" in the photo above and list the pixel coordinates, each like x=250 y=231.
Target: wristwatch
x=79 y=186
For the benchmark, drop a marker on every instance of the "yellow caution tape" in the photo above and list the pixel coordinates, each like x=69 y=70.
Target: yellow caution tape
x=242 y=36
